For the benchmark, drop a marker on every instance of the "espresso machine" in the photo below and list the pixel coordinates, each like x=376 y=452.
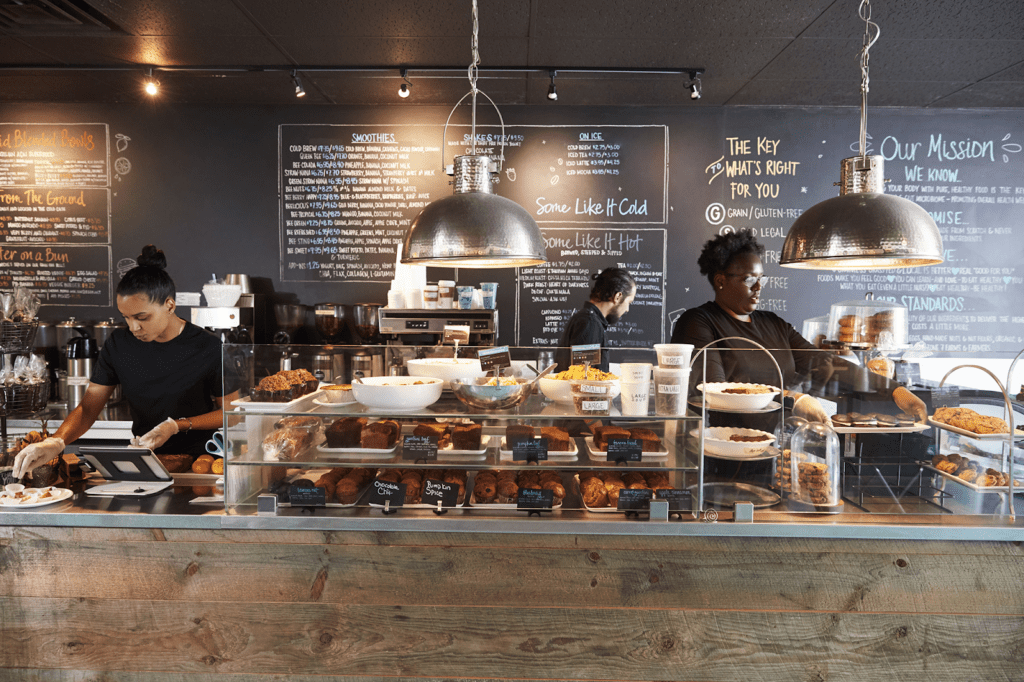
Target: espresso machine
x=405 y=329
x=330 y=364
x=367 y=361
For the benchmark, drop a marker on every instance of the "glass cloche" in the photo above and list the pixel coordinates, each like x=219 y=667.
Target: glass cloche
x=814 y=468
x=868 y=324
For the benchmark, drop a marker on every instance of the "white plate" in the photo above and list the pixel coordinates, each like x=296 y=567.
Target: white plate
x=1018 y=487
x=324 y=403
x=914 y=428
x=713 y=393
x=485 y=444
x=358 y=453
x=569 y=456
x=770 y=407
x=969 y=434
x=247 y=403
x=8 y=501
x=603 y=454
x=717 y=446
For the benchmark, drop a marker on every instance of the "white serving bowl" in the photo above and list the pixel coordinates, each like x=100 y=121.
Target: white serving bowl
x=716 y=442
x=737 y=401
x=222 y=295
x=560 y=390
x=445 y=368
x=397 y=394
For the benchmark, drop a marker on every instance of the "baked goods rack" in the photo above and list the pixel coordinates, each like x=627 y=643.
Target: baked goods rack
x=728 y=494
x=18 y=400
x=1006 y=492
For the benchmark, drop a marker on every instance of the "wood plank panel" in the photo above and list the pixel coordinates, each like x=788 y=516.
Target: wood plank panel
x=507 y=577
x=569 y=644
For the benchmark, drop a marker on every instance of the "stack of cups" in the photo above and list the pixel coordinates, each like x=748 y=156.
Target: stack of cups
x=446 y=294
x=430 y=297
x=636 y=388
x=489 y=294
x=465 y=297
x=396 y=298
x=671 y=378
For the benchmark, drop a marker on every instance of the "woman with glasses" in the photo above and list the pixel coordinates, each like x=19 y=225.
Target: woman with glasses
x=732 y=264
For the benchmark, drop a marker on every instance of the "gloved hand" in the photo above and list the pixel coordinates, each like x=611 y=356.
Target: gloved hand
x=157 y=436
x=809 y=408
x=38 y=453
x=911 y=404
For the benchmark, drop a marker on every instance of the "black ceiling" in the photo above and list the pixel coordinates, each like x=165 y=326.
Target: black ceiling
x=932 y=53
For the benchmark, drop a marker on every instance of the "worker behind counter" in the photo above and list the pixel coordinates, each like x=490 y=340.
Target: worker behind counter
x=610 y=296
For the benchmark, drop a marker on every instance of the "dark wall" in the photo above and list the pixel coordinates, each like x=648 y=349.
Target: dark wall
x=204 y=183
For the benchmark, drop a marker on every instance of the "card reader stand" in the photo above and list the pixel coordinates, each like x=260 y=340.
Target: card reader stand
x=134 y=472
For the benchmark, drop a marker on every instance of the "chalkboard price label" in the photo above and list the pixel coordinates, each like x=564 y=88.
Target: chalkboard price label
x=529 y=449
x=908 y=373
x=419 y=447
x=386 y=491
x=635 y=500
x=496 y=358
x=535 y=499
x=456 y=334
x=589 y=355
x=447 y=493
x=625 y=450
x=678 y=500
x=307 y=497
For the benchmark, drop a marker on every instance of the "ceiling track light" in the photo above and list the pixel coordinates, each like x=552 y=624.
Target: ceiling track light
x=863 y=228
x=695 y=84
x=552 y=92
x=150 y=84
x=403 y=91
x=299 y=90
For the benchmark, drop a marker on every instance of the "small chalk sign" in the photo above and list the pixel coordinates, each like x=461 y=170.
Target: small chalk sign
x=947 y=396
x=535 y=499
x=307 y=497
x=587 y=355
x=529 y=449
x=455 y=334
x=625 y=450
x=382 y=492
x=678 y=500
x=497 y=358
x=908 y=373
x=635 y=500
x=447 y=493
x=419 y=447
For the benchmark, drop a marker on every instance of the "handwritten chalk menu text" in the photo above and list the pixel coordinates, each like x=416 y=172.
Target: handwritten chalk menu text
x=966 y=172
x=54 y=195
x=549 y=294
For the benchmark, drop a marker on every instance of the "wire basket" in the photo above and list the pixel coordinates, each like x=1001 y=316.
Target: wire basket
x=16 y=337
x=22 y=400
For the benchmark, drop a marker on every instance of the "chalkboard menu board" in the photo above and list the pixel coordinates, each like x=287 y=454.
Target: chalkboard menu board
x=55 y=211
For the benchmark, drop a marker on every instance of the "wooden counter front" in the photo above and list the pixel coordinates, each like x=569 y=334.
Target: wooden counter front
x=245 y=605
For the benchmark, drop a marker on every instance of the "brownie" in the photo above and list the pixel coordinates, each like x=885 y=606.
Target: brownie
x=651 y=441
x=345 y=432
x=602 y=434
x=516 y=432
x=388 y=427
x=374 y=439
x=558 y=439
x=467 y=436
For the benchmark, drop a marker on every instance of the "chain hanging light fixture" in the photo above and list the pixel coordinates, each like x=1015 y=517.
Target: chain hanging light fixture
x=863 y=228
x=474 y=228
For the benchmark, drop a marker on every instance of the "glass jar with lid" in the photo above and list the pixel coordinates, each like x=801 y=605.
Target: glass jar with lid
x=868 y=324
x=814 y=468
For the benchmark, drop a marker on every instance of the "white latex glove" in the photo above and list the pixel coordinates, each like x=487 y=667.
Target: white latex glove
x=38 y=453
x=911 y=404
x=809 y=408
x=157 y=436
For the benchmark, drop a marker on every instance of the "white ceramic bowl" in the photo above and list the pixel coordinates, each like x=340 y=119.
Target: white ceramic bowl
x=737 y=401
x=222 y=295
x=716 y=442
x=397 y=394
x=560 y=390
x=445 y=368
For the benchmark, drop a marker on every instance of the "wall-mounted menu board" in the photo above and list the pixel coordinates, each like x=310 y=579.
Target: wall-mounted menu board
x=55 y=211
x=348 y=194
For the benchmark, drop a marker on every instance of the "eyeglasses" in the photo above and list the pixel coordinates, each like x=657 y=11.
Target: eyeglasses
x=750 y=280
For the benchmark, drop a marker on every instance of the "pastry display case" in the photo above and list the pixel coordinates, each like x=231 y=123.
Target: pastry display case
x=868 y=323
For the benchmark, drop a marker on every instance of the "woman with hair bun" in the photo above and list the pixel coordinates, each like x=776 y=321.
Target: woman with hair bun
x=169 y=371
x=610 y=296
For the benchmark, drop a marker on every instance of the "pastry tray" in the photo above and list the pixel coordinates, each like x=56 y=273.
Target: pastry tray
x=1018 y=488
x=351 y=454
x=770 y=452
x=732 y=492
x=603 y=454
x=914 y=428
x=333 y=505
x=601 y=510
x=6 y=498
x=968 y=434
x=570 y=456
x=247 y=403
x=773 y=406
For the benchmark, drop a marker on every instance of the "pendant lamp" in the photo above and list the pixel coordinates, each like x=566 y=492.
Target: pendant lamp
x=474 y=228
x=863 y=228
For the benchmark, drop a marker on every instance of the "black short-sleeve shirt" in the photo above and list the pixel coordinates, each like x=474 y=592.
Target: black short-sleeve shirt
x=177 y=378
x=586 y=326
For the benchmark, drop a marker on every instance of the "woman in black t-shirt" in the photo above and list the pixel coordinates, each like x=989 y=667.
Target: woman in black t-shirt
x=169 y=371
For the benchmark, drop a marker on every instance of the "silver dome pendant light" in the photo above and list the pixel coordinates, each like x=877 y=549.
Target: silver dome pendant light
x=863 y=228
x=474 y=228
